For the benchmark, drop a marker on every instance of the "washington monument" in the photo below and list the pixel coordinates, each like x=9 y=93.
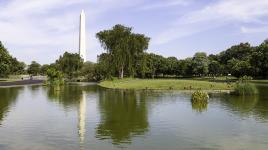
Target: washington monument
x=82 y=36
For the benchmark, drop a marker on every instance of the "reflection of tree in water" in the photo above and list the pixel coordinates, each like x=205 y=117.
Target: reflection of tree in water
x=246 y=106
x=73 y=96
x=123 y=115
x=239 y=105
x=68 y=95
x=65 y=95
x=256 y=106
x=199 y=106
x=8 y=96
x=261 y=108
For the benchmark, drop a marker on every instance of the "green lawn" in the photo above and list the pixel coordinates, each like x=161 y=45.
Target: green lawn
x=165 y=84
x=260 y=81
x=8 y=80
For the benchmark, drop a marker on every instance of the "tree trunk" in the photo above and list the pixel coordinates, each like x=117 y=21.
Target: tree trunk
x=121 y=73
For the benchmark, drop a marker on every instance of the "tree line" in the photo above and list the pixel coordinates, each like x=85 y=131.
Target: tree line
x=131 y=60
x=9 y=64
x=125 y=56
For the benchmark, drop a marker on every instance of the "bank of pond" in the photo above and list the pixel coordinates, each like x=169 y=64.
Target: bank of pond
x=166 y=84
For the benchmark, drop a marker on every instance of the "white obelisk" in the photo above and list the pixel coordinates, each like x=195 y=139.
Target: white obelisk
x=82 y=36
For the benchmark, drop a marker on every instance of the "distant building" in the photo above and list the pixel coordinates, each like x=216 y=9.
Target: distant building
x=82 y=36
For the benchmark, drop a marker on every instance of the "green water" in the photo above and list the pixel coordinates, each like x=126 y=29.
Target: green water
x=84 y=116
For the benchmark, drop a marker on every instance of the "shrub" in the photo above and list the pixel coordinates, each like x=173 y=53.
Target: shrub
x=199 y=96
x=245 y=89
x=199 y=101
x=199 y=106
x=245 y=79
x=55 y=77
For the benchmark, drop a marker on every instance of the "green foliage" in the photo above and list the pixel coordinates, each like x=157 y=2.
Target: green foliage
x=199 y=101
x=123 y=47
x=8 y=64
x=199 y=96
x=199 y=106
x=88 y=71
x=245 y=79
x=215 y=68
x=244 y=87
x=104 y=69
x=34 y=68
x=238 y=67
x=259 y=60
x=55 y=77
x=44 y=69
x=70 y=64
x=200 y=64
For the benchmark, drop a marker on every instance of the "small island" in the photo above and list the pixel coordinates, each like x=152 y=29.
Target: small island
x=166 y=84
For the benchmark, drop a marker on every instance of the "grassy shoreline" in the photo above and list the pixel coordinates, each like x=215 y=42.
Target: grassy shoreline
x=165 y=84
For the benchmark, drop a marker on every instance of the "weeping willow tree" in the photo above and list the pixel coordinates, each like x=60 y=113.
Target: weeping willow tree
x=123 y=47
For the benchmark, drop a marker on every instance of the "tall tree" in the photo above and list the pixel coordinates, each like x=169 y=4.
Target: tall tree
x=239 y=68
x=215 y=68
x=70 y=64
x=123 y=46
x=4 y=61
x=259 y=60
x=200 y=64
x=9 y=64
x=34 y=68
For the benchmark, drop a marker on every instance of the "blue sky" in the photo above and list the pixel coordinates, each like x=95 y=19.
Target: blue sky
x=42 y=30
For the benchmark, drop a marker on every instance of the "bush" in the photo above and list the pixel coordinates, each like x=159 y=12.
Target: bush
x=199 y=96
x=199 y=106
x=199 y=101
x=245 y=89
x=245 y=79
x=55 y=77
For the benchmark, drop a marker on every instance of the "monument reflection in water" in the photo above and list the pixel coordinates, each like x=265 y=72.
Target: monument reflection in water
x=72 y=96
x=123 y=114
x=88 y=117
x=82 y=118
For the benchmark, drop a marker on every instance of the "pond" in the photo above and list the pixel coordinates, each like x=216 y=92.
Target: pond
x=85 y=116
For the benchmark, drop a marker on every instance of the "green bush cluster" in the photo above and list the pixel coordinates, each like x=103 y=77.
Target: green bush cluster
x=244 y=87
x=245 y=79
x=200 y=96
x=199 y=106
x=199 y=101
x=55 y=77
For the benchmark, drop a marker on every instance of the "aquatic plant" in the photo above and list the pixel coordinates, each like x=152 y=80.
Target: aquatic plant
x=244 y=88
x=55 y=77
x=199 y=106
x=199 y=96
x=199 y=101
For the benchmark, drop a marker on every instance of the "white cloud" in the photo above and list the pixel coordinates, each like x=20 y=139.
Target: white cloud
x=249 y=30
x=51 y=26
x=164 y=4
x=214 y=15
x=43 y=29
